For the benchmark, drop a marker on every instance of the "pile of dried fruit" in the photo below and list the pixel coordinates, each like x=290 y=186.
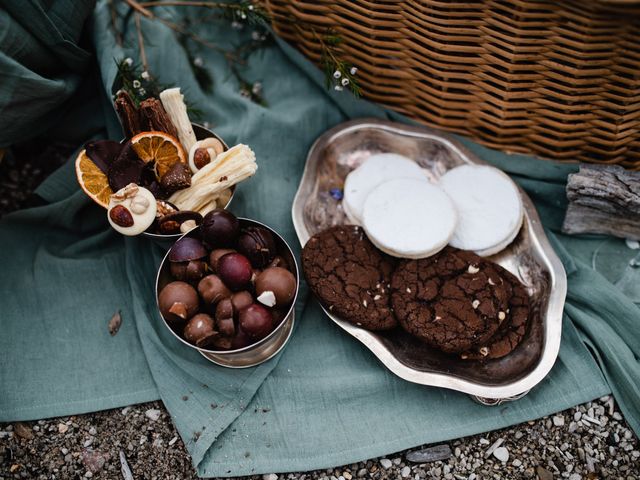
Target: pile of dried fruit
x=161 y=178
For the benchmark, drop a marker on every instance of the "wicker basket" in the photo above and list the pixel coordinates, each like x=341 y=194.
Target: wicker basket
x=559 y=79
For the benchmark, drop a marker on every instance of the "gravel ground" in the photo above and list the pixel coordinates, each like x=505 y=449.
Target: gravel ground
x=590 y=441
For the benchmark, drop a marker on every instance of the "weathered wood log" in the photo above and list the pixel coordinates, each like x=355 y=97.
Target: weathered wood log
x=603 y=199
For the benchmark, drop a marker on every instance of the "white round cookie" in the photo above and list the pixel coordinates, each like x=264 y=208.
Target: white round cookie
x=409 y=218
x=377 y=169
x=489 y=206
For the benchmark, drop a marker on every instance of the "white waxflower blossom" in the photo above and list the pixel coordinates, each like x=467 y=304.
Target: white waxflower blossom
x=198 y=62
x=145 y=75
x=128 y=61
x=243 y=15
x=257 y=88
x=337 y=74
x=338 y=88
x=345 y=82
x=250 y=7
x=142 y=92
x=136 y=84
x=353 y=70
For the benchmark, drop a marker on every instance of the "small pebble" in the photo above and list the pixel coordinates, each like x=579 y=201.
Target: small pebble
x=385 y=463
x=558 y=421
x=152 y=414
x=405 y=472
x=270 y=476
x=501 y=453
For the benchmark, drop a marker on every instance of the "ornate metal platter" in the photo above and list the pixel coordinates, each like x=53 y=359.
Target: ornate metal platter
x=529 y=257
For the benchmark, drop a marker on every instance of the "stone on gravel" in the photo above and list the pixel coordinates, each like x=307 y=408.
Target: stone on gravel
x=431 y=454
x=543 y=473
x=501 y=453
x=270 y=476
x=405 y=472
x=558 y=421
x=385 y=463
x=495 y=445
x=152 y=414
x=93 y=460
x=23 y=431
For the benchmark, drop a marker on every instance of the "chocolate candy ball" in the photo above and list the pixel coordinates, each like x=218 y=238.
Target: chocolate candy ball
x=212 y=290
x=224 y=317
x=258 y=245
x=216 y=255
x=241 y=300
x=256 y=321
x=190 y=271
x=280 y=282
x=178 y=302
x=220 y=228
x=235 y=271
x=200 y=330
x=187 y=249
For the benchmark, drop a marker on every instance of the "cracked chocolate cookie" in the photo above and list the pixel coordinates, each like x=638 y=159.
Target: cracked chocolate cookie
x=350 y=276
x=513 y=328
x=454 y=301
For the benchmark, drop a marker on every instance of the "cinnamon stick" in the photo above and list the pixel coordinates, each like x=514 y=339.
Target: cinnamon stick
x=154 y=117
x=128 y=113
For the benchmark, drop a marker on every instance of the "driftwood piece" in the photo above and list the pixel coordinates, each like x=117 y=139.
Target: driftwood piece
x=603 y=199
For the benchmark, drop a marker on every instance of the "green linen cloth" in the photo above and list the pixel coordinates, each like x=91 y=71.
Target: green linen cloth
x=325 y=400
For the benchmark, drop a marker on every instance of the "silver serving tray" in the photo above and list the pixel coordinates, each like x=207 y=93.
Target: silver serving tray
x=529 y=257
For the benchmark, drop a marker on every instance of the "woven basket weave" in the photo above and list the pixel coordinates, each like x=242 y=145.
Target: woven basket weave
x=559 y=79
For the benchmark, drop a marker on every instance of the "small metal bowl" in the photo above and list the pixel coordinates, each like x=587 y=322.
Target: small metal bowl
x=166 y=241
x=260 y=351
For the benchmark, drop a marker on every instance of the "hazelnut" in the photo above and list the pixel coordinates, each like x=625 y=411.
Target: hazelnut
x=121 y=216
x=201 y=157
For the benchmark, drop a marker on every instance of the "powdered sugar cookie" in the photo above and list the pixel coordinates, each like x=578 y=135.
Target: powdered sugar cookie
x=409 y=218
x=489 y=207
x=375 y=170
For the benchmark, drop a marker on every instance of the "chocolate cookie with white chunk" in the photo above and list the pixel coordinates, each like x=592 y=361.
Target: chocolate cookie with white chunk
x=513 y=328
x=454 y=301
x=350 y=276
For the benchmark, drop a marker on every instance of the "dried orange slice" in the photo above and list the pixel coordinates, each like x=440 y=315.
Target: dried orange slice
x=91 y=179
x=159 y=147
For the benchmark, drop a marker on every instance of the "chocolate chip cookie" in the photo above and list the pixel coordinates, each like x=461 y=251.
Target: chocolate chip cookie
x=513 y=328
x=454 y=301
x=350 y=276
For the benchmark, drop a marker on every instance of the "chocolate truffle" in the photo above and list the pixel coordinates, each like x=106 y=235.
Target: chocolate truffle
x=275 y=286
x=258 y=245
x=241 y=300
x=188 y=271
x=212 y=290
x=256 y=321
x=224 y=317
x=178 y=302
x=200 y=330
x=235 y=271
x=220 y=228
x=186 y=259
x=216 y=255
